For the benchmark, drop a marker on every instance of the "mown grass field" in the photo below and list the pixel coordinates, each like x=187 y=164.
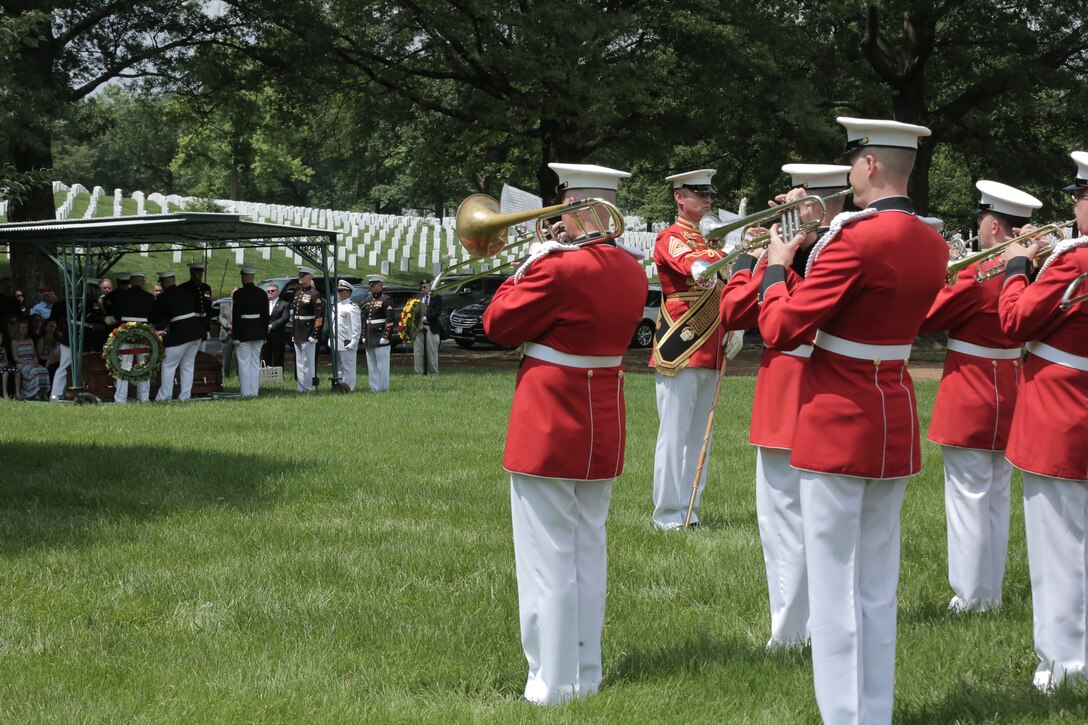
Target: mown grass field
x=349 y=558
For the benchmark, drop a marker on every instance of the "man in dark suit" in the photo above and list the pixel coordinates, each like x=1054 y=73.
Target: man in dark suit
x=176 y=312
x=429 y=334
x=278 y=310
x=248 y=328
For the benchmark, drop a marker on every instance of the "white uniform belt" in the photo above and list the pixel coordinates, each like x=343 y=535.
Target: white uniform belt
x=804 y=351
x=1058 y=357
x=550 y=354
x=860 y=350
x=133 y=319
x=376 y=322
x=186 y=316
x=305 y=317
x=249 y=317
x=994 y=353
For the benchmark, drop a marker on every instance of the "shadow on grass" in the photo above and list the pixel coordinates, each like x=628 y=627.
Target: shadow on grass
x=54 y=494
x=694 y=655
x=974 y=702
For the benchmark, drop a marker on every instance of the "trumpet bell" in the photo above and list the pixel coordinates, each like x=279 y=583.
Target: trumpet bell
x=476 y=227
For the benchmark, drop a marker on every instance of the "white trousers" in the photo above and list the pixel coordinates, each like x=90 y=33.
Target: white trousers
x=683 y=408
x=561 y=561
x=120 y=387
x=377 y=368
x=429 y=340
x=305 y=365
x=1055 y=517
x=778 y=511
x=976 y=505
x=60 y=377
x=248 y=357
x=348 y=361
x=852 y=550
x=181 y=358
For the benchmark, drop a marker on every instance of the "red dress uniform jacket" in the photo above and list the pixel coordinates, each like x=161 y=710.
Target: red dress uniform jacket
x=777 y=397
x=1049 y=433
x=871 y=283
x=569 y=422
x=675 y=249
x=977 y=394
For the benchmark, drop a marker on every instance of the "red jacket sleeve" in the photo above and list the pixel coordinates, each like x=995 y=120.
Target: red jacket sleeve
x=954 y=303
x=681 y=262
x=522 y=312
x=1032 y=310
x=739 y=305
x=788 y=318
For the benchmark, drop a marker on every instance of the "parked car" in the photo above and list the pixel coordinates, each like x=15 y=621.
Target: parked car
x=467 y=323
x=644 y=333
x=462 y=294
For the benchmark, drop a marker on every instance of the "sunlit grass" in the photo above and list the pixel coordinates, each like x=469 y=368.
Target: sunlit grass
x=349 y=558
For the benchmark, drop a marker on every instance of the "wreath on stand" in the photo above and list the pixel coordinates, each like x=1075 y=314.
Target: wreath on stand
x=411 y=317
x=145 y=340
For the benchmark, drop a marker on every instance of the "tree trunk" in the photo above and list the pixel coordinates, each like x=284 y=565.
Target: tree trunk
x=31 y=150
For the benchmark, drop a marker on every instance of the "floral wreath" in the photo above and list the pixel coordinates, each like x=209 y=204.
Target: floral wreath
x=411 y=317
x=146 y=341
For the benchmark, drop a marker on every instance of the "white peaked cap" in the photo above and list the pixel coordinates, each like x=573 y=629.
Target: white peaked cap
x=247 y=269
x=302 y=271
x=587 y=176
x=196 y=265
x=878 y=132
x=698 y=180
x=345 y=285
x=934 y=223
x=141 y=275
x=167 y=274
x=1081 y=182
x=818 y=176
x=1005 y=199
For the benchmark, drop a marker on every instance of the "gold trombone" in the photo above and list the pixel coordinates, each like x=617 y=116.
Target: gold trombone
x=482 y=230
x=981 y=275
x=787 y=214
x=1070 y=298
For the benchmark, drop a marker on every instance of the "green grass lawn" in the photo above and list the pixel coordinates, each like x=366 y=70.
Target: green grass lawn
x=349 y=558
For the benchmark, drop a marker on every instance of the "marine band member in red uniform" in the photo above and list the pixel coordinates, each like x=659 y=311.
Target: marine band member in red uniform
x=973 y=411
x=687 y=351
x=869 y=283
x=774 y=415
x=1047 y=440
x=575 y=311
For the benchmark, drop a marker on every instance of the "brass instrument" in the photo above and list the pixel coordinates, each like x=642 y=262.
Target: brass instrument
x=958 y=248
x=1070 y=298
x=787 y=214
x=957 y=266
x=482 y=229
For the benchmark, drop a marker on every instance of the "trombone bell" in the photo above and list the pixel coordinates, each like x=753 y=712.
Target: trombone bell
x=477 y=229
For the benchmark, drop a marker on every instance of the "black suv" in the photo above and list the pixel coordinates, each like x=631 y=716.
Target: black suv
x=467 y=301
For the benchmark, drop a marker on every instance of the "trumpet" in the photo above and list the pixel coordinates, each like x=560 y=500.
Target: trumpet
x=981 y=275
x=483 y=230
x=1070 y=298
x=787 y=214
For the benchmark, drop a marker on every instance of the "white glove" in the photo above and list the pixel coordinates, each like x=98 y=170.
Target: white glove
x=734 y=345
x=311 y=338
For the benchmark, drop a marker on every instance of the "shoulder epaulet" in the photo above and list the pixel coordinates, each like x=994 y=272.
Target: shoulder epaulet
x=545 y=249
x=1061 y=249
x=837 y=225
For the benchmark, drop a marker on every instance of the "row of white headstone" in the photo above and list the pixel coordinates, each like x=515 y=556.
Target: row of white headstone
x=381 y=242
